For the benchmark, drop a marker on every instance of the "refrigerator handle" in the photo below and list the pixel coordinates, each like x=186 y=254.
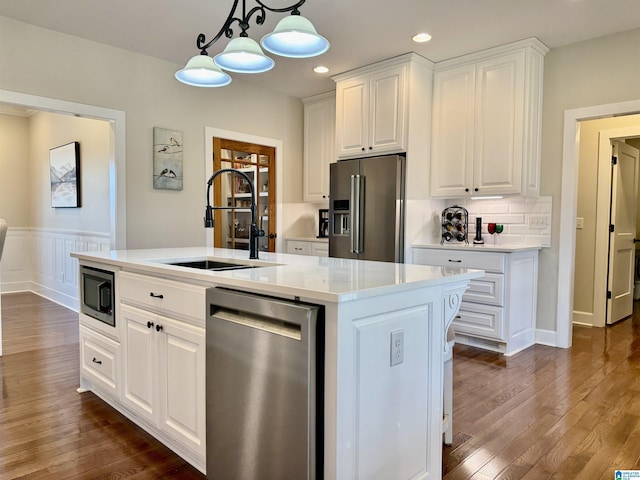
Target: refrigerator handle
x=354 y=214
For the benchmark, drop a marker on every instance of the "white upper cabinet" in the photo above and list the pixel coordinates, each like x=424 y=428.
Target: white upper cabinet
x=372 y=107
x=486 y=122
x=319 y=145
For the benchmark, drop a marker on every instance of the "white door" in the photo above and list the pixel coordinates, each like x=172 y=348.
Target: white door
x=624 y=189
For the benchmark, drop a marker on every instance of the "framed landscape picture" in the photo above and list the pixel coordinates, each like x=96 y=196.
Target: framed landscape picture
x=64 y=170
x=167 y=159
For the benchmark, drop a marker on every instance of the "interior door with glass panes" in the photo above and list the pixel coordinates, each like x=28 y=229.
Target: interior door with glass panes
x=231 y=228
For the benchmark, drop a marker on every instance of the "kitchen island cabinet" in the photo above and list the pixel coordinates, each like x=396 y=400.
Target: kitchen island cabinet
x=370 y=431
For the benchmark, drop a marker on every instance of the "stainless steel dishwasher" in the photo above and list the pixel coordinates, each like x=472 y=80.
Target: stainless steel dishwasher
x=265 y=364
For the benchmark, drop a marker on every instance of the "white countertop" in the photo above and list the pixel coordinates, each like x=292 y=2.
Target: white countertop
x=487 y=247
x=308 y=277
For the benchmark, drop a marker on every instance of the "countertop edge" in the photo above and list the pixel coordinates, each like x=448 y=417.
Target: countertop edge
x=239 y=278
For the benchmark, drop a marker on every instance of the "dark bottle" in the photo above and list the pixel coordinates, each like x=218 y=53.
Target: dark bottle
x=477 y=240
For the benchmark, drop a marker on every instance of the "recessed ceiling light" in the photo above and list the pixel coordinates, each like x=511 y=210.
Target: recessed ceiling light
x=421 y=37
x=320 y=69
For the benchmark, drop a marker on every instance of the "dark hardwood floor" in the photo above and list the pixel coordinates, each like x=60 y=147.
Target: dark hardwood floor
x=549 y=413
x=47 y=429
x=545 y=413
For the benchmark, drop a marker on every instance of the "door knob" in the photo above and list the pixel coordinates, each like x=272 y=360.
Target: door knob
x=158 y=328
x=149 y=324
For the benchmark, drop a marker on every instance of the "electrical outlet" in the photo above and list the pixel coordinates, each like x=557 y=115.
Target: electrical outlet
x=397 y=347
x=538 y=221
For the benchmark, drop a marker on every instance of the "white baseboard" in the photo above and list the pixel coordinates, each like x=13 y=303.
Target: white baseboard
x=582 y=318
x=547 y=337
x=15 y=287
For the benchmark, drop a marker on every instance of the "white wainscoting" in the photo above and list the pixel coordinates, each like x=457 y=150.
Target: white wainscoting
x=39 y=260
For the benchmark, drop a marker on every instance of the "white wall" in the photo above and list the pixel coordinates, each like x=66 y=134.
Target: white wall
x=49 y=130
x=81 y=71
x=14 y=170
x=594 y=72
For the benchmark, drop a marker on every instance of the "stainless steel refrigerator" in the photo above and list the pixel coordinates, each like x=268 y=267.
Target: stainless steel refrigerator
x=366 y=208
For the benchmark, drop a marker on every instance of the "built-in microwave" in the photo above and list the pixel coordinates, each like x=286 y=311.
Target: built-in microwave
x=97 y=294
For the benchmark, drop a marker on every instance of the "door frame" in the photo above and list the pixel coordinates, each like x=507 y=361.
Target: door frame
x=569 y=208
x=209 y=134
x=603 y=203
x=117 y=159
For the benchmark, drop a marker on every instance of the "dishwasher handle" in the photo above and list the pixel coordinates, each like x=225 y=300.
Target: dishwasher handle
x=260 y=307
x=271 y=325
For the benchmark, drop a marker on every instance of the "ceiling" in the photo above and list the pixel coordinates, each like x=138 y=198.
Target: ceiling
x=360 y=31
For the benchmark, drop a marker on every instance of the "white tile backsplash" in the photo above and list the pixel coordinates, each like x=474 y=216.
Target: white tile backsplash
x=513 y=213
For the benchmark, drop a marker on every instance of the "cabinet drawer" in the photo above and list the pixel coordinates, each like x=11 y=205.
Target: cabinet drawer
x=320 y=249
x=99 y=359
x=480 y=320
x=166 y=296
x=299 y=248
x=487 y=261
x=488 y=290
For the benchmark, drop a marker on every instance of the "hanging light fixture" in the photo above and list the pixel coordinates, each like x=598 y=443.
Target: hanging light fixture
x=294 y=37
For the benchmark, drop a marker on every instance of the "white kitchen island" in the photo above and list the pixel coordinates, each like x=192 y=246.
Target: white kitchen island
x=381 y=422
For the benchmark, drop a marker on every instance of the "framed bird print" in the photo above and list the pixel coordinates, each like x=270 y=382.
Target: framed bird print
x=167 y=159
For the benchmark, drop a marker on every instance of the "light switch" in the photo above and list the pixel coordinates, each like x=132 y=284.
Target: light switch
x=579 y=223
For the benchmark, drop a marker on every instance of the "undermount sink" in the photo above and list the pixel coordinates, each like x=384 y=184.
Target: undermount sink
x=211 y=265
x=214 y=264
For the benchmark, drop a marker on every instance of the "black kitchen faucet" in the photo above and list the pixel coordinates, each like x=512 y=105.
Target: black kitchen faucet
x=254 y=231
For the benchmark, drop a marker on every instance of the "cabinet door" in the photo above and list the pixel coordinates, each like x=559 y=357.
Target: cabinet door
x=387 y=90
x=140 y=367
x=499 y=124
x=319 y=148
x=452 y=132
x=181 y=382
x=352 y=116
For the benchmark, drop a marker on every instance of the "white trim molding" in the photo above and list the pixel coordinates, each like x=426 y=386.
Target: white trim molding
x=568 y=207
x=117 y=161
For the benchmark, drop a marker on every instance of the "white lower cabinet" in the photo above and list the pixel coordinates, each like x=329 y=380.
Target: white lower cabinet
x=308 y=247
x=164 y=376
x=498 y=311
x=100 y=361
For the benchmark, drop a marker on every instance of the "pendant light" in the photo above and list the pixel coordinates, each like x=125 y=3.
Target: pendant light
x=243 y=55
x=294 y=37
x=200 y=71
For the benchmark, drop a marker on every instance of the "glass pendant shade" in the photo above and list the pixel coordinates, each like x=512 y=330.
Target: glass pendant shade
x=243 y=55
x=200 y=71
x=295 y=37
